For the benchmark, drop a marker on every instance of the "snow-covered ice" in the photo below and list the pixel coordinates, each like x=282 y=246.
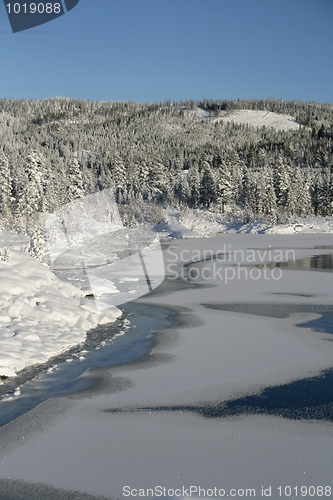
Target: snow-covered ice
x=213 y=356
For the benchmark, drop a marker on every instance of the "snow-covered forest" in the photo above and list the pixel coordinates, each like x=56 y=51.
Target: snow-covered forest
x=169 y=154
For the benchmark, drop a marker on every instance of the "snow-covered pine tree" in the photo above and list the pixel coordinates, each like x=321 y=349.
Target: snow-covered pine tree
x=246 y=186
x=37 y=242
x=257 y=195
x=30 y=194
x=262 y=159
x=292 y=201
x=177 y=188
x=193 y=178
x=6 y=198
x=143 y=176
x=281 y=181
x=177 y=164
x=268 y=202
x=323 y=193
x=224 y=187
x=75 y=187
x=330 y=191
x=317 y=190
x=118 y=172
x=217 y=162
x=207 y=185
x=185 y=189
x=299 y=199
x=252 y=198
x=236 y=167
x=159 y=185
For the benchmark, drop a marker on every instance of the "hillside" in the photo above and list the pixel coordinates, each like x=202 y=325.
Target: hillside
x=244 y=160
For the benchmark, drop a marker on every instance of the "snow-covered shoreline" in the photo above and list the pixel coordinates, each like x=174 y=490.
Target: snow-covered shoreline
x=198 y=223
x=40 y=315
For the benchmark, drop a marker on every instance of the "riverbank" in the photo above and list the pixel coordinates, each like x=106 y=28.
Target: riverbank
x=40 y=315
x=125 y=341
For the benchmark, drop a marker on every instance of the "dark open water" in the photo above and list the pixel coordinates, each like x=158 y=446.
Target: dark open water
x=308 y=399
x=104 y=347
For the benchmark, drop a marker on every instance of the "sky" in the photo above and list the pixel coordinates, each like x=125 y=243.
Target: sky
x=155 y=50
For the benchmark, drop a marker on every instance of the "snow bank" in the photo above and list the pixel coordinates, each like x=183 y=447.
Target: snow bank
x=40 y=315
x=197 y=223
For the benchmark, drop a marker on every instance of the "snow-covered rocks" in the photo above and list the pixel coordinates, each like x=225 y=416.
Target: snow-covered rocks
x=40 y=315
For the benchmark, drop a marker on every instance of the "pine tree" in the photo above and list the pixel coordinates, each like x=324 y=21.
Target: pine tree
x=325 y=208
x=317 y=190
x=36 y=248
x=30 y=194
x=207 y=186
x=224 y=187
x=236 y=167
x=281 y=182
x=159 y=184
x=246 y=186
x=217 y=162
x=299 y=199
x=269 y=207
x=6 y=198
x=75 y=187
x=177 y=188
x=330 y=191
x=185 y=189
x=193 y=178
x=292 y=202
x=118 y=172
x=207 y=182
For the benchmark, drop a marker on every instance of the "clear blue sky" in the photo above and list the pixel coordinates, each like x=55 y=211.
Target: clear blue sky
x=153 y=50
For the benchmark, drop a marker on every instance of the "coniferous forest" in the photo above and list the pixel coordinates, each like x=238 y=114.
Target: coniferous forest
x=156 y=155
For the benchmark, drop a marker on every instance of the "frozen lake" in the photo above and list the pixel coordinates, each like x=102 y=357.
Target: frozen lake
x=236 y=395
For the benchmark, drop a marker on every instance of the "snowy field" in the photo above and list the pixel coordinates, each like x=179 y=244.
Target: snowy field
x=262 y=119
x=110 y=438
x=254 y=118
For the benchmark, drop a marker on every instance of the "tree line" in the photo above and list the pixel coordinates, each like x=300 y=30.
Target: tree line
x=153 y=155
